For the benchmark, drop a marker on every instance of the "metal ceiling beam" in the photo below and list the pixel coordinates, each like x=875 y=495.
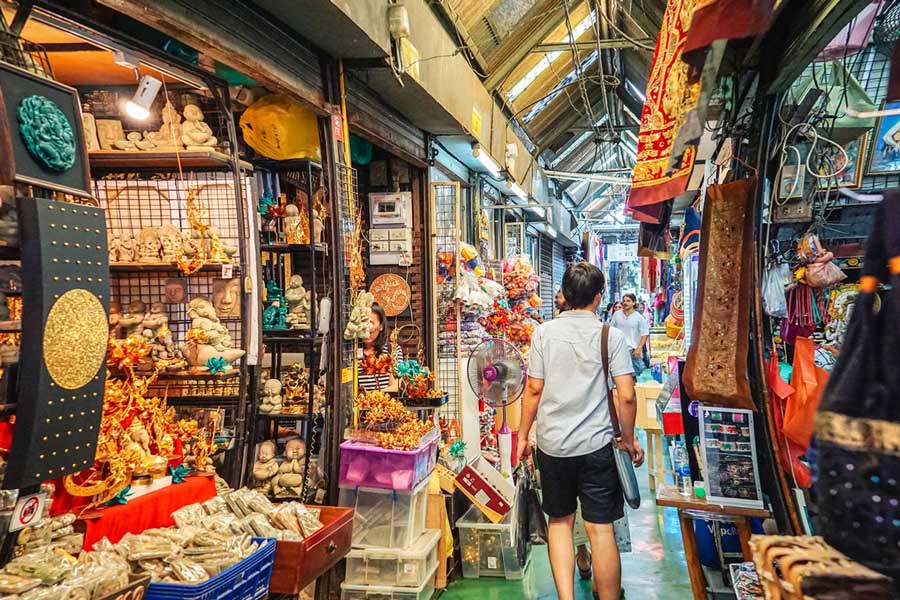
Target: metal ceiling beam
x=523 y=49
x=617 y=128
x=457 y=24
x=590 y=45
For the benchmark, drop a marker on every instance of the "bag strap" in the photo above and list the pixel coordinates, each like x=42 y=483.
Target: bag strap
x=604 y=351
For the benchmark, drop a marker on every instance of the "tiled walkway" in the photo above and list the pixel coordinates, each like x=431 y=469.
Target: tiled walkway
x=655 y=569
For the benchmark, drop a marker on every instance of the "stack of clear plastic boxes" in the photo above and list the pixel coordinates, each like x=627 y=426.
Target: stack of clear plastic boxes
x=394 y=557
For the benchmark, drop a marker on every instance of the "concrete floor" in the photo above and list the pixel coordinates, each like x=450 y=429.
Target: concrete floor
x=654 y=569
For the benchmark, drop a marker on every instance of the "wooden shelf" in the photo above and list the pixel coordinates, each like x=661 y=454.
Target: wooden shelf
x=285 y=416
x=293 y=248
x=120 y=160
x=231 y=373
x=132 y=267
x=296 y=164
x=286 y=336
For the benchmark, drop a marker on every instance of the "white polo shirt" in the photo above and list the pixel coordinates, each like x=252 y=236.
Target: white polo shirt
x=634 y=326
x=573 y=414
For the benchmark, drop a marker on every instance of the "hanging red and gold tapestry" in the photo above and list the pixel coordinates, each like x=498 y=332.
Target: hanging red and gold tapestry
x=670 y=96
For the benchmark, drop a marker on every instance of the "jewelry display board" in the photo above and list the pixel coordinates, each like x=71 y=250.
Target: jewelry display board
x=728 y=449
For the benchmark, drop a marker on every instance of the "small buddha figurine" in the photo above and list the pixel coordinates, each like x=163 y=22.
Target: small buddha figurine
x=149 y=245
x=168 y=138
x=289 y=481
x=271 y=398
x=298 y=301
x=155 y=321
x=171 y=240
x=127 y=248
x=265 y=467
x=132 y=319
x=195 y=133
x=219 y=251
x=114 y=243
x=129 y=144
x=138 y=434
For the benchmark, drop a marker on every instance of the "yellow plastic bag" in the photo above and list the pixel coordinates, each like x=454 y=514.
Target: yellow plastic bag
x=281 y=129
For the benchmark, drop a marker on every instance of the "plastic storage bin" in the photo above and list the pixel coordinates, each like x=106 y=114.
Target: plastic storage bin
x=487 y=549
x=386 y=518
x=367 y=465
x=247 y=580
x=394 y=567
x=425 y=591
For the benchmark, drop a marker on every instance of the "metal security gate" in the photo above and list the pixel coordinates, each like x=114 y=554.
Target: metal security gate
x=545 y=269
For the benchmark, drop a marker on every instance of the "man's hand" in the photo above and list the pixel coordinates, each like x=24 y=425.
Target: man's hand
x=634 y=450
x=637 y=353
x=523 y=449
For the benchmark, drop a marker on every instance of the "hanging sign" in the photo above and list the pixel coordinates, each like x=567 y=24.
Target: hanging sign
x=337 y=126
x=476 y=123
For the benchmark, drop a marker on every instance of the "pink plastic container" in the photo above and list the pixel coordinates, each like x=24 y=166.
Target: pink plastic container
x=366 y=465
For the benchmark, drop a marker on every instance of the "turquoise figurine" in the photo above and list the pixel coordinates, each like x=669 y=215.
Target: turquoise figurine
x=275 y=314
x=47 y=133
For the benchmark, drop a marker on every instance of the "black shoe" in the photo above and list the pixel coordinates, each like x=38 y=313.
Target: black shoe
x=621 y=595
x=584 y=573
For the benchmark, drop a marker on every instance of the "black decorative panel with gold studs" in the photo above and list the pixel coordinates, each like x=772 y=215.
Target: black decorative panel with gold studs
x=62 y=362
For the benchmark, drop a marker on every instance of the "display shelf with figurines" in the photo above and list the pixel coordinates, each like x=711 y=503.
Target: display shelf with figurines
x=289 y=403
x=175 y=198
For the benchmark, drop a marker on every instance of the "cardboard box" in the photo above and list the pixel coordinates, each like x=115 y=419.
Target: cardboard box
x=487 y=489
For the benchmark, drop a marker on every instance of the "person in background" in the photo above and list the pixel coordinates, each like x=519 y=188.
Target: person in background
x=647 y=312
x=615 y=307
x=566 y=395
x=378 y=345
x=560 y=302
x=634 y=326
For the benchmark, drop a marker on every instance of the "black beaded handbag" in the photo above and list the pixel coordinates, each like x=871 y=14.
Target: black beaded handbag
x=858 y=423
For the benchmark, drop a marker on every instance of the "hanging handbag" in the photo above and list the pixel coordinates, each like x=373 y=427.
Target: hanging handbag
x=858 y=423
x=624 y=466
x=530 y=510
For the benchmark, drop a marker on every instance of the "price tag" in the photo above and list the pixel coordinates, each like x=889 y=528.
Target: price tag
x=227 y=270
x=29 y=510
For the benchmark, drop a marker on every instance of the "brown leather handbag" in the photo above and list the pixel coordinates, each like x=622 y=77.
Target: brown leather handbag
x=716 y=369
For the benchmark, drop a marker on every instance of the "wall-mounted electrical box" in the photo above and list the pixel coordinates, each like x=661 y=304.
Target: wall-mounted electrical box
x=390 y=234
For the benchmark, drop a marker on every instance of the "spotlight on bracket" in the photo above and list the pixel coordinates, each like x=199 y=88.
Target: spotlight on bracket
x=139 y=105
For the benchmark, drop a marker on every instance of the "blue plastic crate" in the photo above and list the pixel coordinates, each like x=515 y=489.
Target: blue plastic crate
x=247 y=580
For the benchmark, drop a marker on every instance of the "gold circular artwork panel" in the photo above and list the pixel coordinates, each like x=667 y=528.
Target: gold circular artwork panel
x=75 y=339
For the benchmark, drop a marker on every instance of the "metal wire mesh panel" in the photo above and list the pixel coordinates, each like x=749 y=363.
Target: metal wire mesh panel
x=445 y=228
x=346 y=206
x=136 y=201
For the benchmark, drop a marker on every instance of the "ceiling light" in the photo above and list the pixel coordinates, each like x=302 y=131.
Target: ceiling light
x=139 y=105
x=515 y=189
x=486 y=161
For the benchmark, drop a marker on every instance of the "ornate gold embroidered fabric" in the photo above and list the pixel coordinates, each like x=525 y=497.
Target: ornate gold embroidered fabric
x=860 y=434
x=669 y=98
x=716 y=368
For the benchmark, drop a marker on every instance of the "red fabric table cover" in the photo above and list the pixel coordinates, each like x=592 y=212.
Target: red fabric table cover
x=146 y=512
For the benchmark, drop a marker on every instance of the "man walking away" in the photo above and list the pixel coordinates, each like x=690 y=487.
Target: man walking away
x=566 y=392
x=637 y=331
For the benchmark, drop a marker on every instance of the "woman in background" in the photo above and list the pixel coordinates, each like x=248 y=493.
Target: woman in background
x=378 y=344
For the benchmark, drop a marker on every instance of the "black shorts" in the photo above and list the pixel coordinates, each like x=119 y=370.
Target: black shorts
x=591 y=479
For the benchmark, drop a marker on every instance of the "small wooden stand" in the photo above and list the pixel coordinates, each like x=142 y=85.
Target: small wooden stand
x=690 y=508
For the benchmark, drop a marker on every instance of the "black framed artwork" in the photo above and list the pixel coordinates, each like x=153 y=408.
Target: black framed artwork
x=41 y=121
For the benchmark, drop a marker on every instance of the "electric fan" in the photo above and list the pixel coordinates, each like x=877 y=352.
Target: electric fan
x=496 y=373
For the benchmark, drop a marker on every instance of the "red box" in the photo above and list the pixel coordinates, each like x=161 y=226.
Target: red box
x=297 y=564
x=486 y=488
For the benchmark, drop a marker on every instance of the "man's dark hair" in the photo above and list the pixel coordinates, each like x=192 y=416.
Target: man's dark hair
x=630 y=295
x=581 y=284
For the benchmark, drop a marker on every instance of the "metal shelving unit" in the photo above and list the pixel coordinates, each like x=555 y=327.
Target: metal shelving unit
x=297 y=180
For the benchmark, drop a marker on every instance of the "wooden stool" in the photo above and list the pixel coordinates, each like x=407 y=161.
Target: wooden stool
x=656 y=471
